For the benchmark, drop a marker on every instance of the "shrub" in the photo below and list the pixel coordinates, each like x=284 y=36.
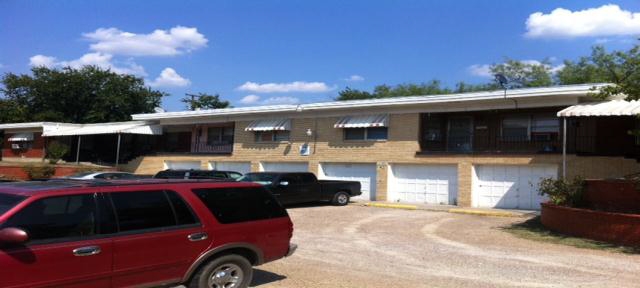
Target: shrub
x=39 y=172
x=562 y=191
x=56 y=150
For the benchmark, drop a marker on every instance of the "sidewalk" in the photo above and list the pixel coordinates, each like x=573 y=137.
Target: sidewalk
x=450 y=209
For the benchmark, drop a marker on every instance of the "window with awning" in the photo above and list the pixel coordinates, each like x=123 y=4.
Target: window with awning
x=270 y=130
x=364 y=127
x=269 y=125
x=21 y=137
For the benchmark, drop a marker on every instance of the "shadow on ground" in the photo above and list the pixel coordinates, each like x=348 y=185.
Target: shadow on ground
x=262 y=277
x=532 y=229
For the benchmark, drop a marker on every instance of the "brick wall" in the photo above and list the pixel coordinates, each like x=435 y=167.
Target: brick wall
x=36 y=150
x=328 y=146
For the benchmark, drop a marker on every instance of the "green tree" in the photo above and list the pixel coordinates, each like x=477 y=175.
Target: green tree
x=525 y=74
x=621 y=68
x=86 y=95
x=204 y=101
x=433 y=87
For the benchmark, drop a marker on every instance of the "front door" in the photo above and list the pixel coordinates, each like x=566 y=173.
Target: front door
x=64 y=248
x=460 y=134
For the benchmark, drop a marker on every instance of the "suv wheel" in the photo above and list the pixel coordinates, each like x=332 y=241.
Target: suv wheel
x=340 y=199
x=228 y=271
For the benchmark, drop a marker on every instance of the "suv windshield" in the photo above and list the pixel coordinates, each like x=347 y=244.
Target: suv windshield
x=8 y=201
x=261 y=178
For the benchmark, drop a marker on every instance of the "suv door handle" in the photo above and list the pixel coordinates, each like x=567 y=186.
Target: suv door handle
x=87 y=251
x=198 y=236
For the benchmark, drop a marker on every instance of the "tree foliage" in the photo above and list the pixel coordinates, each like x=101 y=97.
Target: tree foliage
x=204 y=101
x=524 y=74
x=87 y=95
x=621 y=68
x=433 y=87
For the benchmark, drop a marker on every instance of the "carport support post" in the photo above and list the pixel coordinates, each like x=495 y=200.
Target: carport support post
x=118 y=151
x=78 y=150
x=564 y=148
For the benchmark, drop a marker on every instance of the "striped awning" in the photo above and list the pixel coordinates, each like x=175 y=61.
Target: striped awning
x=363 y=121
x=269 y=125
x=17 y=137
x=608 y=108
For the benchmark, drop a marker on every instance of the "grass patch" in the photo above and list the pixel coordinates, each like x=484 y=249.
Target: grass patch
x=533 y=229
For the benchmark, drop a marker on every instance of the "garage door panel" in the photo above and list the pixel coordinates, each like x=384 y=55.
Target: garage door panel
x=285 y=166
x=180 y=165
x=363 y=173
x=433 y=184
x=510 y=186
x=242 y=167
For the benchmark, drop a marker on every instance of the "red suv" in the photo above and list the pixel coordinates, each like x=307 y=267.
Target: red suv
x=138 y=233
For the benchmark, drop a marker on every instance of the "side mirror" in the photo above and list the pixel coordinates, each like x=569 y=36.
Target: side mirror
x=284 y=183
x=13 y=236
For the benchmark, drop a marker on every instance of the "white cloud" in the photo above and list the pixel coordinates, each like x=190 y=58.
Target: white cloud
x=297 y=86
x=250 y=99
x=101 y=60
x=253 y=99
x=484 y=70
x=169 y=78
x=354 y=78
x=42 y=60
x=176 y=40
x=606 y=20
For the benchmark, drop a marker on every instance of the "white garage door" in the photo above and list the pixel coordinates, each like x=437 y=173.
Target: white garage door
x=510 y=186
x=364 y=173
x=285 y=166
x=242 y=167
x=432 y=184
x=175 y=165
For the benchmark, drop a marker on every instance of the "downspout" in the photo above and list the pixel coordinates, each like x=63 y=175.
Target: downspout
x=515 y=102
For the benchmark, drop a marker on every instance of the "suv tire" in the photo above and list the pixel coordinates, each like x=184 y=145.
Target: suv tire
x=228 y=271
x=340 y=199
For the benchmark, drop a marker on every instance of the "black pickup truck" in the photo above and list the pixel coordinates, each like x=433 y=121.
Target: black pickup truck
x=302 y=187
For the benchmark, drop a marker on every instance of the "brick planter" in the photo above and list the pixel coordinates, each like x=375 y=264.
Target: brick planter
x=612 y=195
x=618 y=228
x=18 y=173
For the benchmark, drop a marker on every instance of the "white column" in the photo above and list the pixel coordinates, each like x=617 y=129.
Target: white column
x=564 y=148
x=78 y=150
x=118 y=151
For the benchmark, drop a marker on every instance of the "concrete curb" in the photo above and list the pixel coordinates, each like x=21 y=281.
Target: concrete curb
x=468 y=211
x=484 y=212
x=394 y=206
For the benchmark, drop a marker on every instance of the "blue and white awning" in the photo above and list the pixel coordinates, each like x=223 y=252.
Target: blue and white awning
x=269 y=125
x=363 y=121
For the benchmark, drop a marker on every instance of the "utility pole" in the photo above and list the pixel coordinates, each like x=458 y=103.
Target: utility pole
x=193 y=100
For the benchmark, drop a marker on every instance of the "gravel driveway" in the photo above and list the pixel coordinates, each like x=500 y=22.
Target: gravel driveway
x=357 y=246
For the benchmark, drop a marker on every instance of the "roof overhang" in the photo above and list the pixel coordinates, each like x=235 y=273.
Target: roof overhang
x=129 y=127
x=449 y=102
x=605 y=108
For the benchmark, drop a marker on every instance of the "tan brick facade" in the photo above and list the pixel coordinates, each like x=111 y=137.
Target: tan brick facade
x=327 y=145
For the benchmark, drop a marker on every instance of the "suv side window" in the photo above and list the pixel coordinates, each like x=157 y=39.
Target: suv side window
x=234 y=205
x=62 y=218
x=308 y=178
x=293 y=179
x=150 y=210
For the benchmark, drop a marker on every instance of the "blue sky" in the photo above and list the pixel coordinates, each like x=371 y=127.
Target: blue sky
x=271 y=52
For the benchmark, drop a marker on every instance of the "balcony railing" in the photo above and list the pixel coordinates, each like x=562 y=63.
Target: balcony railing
x=225 y=148
x=495 y=145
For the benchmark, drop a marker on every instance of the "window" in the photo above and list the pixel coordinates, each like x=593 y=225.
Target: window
x=371 y=133
x=183 y=213
x=308 y=178
x=233 y=205
x=530 y=128
x=432 y=129
x=149 y=210
x=219 y=135
x=515 y=129
x=207 y=174
x=8 y=201
x=234 y=175
x=56 y=218
x=272 y=136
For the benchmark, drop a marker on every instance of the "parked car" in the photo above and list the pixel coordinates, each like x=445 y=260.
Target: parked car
x=107 y=175
x=197 y=174
x=138 y=233
x=302 y=187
